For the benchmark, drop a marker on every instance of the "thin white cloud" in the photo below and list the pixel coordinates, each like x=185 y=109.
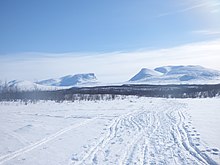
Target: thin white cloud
x=199 y=5
x=207 y=32
x=211 y=5
x=109 y=67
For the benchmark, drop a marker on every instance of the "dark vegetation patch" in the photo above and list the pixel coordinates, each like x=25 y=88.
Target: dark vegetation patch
x=112 y=92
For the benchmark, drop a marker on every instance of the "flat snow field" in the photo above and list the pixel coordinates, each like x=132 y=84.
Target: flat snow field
x=123 y=131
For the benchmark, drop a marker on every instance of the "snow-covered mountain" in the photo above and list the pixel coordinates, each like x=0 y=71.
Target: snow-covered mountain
x=161 y=75
x=71 y=80
x=24 y=85
x=145 y=73
x=88 y=79
x=190 y=74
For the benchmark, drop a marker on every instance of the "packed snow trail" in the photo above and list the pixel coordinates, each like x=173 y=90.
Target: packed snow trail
x=155 y=136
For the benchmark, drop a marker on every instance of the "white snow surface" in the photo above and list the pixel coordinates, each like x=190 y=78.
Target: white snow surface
x=129 y=130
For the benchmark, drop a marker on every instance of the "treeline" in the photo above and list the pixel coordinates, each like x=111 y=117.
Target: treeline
x=112 y=92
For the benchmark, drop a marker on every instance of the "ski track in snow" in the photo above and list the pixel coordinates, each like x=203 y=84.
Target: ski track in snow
x=146 y=137
x=32 y=146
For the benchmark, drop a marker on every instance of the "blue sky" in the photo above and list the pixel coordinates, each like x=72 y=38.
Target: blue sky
x=57 y=26
x=113 y=38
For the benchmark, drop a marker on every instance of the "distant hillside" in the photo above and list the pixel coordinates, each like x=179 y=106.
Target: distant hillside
x=177 y=75
x=70 y=80
x=52 y=84
x=28 y=86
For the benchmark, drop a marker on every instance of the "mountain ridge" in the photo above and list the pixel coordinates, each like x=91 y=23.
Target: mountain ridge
x=177 y=74
x=70 y=80
x=53 y=83
x=189 y=74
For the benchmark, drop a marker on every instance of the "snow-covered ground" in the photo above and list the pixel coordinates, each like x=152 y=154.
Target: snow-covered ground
x=124 y=131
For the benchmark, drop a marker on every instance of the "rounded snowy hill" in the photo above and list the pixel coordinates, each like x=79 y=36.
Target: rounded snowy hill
x=191 y=74
x=144 y=73
x=24 y=85
x=71 y=80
